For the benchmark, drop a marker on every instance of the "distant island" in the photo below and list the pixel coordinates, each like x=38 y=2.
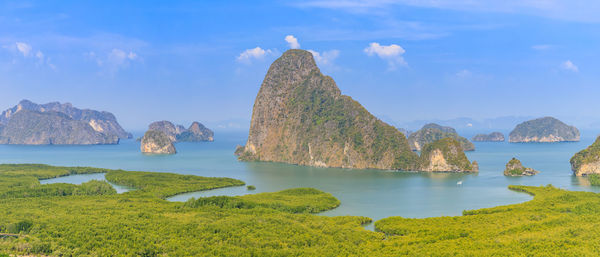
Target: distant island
x=432 y=132
x=514 y=167
x=196 y=132
x=301 y=117
x=587 y=161
x=161 y=135
x=545 y=130
x=29 y=123
x=492 y=137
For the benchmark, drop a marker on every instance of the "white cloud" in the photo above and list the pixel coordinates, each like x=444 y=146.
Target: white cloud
x=254 y=53
x=119 y=57
x=114 y=60
x=39 y=55
x=24 y=48
x=392 y=53
x=292 y=41
x=27 y=51
x=570 y=66
x=326 y=57
x=464 y=73
x=542 y=47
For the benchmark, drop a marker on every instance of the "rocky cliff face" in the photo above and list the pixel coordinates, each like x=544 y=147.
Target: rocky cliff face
x=445 y=155
x=157 y=142
x=177 y=133
x=432 y=132
x=492 y=137
x=543 y=130
x=100 y=121
x=300 y=117
x=587 y=161
x=55 y=123
x=515 y=168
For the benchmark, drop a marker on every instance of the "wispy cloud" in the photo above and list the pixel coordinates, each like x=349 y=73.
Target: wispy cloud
x=570 y=66
x=542 y=47
x=326 y=57
x=391 y=53
x=27 y=51
x=464 y=73
x=572 y=10
x=292 y=41
x=24 y=48
x=256 y=53
x=113 y=60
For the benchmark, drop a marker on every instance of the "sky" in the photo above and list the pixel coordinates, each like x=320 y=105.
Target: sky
x=403 y=60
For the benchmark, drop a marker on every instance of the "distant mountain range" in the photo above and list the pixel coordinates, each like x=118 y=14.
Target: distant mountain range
x=56 y=123
x=499 y=123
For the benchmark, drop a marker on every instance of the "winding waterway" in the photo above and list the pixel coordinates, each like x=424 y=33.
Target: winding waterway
x=372 y=193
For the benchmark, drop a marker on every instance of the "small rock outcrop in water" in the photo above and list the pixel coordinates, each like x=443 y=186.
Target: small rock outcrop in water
x=515 y=168
x=492 y=137
x=301 y=117
x=587 y=161
x=56 y=123
x=432 y=132
x=177 y=133
x=544 y=130
x=446 y=155
x=157 y=142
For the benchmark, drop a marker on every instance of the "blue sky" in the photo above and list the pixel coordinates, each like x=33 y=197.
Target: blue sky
x=403 y=60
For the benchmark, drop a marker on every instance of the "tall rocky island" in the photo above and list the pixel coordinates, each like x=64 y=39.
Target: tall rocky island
x=301 y=117
x=55 y=123
x=432 y=132
x=543 y=130
x=157 y=142
x=587 y=161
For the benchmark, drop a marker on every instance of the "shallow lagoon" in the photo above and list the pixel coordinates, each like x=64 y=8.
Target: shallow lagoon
x=372 y=193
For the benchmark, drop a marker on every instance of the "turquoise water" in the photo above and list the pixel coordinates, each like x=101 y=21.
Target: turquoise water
x=371 y=193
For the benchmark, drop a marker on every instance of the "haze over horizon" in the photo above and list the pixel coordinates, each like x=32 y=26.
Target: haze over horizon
x=402 y=60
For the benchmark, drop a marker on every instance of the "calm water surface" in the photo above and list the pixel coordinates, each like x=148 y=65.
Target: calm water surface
x=372 y=193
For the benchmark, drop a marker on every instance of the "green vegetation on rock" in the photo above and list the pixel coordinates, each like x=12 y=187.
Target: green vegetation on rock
x=445 y=154
x=587 y=161
x=515 y=168
x=432 y=132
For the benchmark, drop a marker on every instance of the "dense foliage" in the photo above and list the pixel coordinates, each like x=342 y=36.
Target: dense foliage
x=594 y=179
x=433 y=132
x=140 y=223
x=163 y=185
